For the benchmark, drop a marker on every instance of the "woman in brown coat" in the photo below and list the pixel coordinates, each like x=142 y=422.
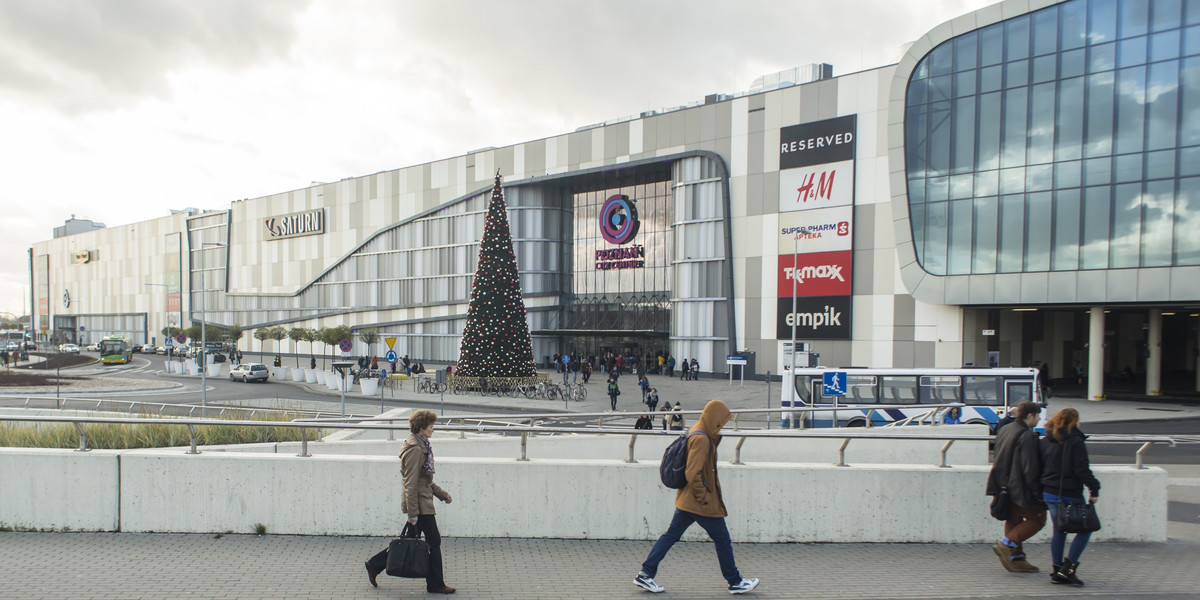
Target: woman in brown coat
x=416 y=500
x=700 y=502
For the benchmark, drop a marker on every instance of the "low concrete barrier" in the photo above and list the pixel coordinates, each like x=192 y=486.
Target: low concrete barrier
x=167 y=490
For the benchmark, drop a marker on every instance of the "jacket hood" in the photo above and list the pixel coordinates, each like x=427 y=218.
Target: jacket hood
x=713 y=418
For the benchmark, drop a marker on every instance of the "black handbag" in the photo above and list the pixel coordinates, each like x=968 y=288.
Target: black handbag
x=408 y=555
x=1001 y=506
x=1073 y=517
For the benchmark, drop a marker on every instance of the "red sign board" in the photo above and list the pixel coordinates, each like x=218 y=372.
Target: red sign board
x=815 y=274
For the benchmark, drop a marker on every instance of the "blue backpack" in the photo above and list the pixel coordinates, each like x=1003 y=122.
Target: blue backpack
x=674 y=462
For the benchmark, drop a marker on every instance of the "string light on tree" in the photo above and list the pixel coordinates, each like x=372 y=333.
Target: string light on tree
x=495 y=340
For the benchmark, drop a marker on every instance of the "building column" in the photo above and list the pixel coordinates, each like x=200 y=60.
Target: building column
x=1154 y=354
x=1198 y=360
x=1095 y=372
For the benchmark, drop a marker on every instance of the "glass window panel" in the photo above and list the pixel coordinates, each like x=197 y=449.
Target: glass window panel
x=989 y=132
x=1100 y=105
x=965 y=50
x=1189 y=162
x=1066 y=230
x=1012 y=233
x=1133 y=18
x=935 y=237
x=1162 y=112
x=1041 y=124
x=1189 y=129
x=897 y=390
x=1016 y=42
x=1158 y=208
x=917 y=221
x=992 y=78
x=1131 y=52
x=1191 y=40
x=1187 y=221
x=939 y=137
x=922 y=70
x=1070 y=120
x=941 y=60
x=1012 y=181
x=1096 y=213
x=983 y=390
x=1102 y=58
x=1039 y=178
x=1015 y=110
x=958 y=260
x=916 y=191
x=1073 y=17
x=987 y=183
x=1125 y=247
x=964 y=136
x=991 y=45
x=937 y=189
x=986 y=224
x=1165 y=14
x=1072 y=63
x=1128 y=168
x=1191 y=12
x=1067 y=174
x=962 y=186
x=1131 y=117
x=964 y=83
x=1103 y=19
x=941 y=88
x=916 y=145
x=1037 y=233
x=1016 y=74
x=1160 y=165
x=1164 y=46
x=1045 y=68
x=1045 y=31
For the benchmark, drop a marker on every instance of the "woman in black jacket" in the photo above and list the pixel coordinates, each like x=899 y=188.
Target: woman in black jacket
x=1065 y=471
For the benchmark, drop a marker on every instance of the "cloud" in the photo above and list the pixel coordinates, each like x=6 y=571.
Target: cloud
x=81 y=56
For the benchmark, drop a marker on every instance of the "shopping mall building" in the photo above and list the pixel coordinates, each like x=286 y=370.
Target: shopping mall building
x=1023 y=184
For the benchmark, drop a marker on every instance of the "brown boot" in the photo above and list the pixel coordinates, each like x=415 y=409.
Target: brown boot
x=1005 y=554
x=1021 y=565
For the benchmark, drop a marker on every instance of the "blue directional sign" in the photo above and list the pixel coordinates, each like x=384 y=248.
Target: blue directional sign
x=383 y=373
x=835 y=383
x=390 y=356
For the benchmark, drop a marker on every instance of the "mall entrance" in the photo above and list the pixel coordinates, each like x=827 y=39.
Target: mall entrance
x=1060 y=338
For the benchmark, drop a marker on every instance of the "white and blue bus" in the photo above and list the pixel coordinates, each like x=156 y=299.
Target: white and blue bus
x=986 y=393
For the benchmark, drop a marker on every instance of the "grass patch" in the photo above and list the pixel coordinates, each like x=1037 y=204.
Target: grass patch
x=260 y=529
x=112 y=436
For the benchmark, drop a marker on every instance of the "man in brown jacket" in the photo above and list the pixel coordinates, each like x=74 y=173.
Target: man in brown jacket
x=700 y=502
x=1017 y=468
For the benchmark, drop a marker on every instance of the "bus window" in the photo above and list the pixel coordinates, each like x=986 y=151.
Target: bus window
x=1019 y=391
x=940 y=389
x=861 y=389
x=802 y=390
x=898 y=390
x=983 y=390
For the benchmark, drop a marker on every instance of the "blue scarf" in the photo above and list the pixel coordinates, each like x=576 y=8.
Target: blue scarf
x=429 y=454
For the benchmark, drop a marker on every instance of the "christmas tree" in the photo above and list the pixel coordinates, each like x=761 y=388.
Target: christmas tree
x=495 y=342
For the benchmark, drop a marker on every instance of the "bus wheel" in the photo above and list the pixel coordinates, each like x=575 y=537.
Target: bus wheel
x=857 y=423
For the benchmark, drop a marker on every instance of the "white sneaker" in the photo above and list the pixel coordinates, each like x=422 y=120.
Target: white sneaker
x=648 y=584
x=743 y=586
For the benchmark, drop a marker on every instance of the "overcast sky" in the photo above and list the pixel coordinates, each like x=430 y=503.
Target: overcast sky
x=119 y=110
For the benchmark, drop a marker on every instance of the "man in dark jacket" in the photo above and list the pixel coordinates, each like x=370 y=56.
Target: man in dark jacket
x=1017 y=467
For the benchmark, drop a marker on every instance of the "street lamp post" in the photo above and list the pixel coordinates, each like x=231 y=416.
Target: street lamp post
x=204 y=331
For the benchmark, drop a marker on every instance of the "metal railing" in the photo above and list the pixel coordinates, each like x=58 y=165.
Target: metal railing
x=527 y=431
x=95 y=404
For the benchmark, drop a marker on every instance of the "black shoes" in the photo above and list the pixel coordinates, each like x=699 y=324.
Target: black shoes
x=1065 y=573
x=371 y=573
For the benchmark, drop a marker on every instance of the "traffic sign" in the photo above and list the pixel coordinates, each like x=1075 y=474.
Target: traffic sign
x=390 y=356
x=835 y=383
x=346 y=345
x=181 y=338
x=390 y=342
x=169 y=342
x=736 y=359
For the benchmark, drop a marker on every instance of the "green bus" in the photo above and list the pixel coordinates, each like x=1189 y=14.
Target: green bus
x=115 y=349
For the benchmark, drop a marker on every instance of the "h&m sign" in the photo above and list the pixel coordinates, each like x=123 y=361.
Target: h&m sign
x=310 y=222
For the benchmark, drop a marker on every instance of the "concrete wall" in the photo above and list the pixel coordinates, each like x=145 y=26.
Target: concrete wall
x=166 y=490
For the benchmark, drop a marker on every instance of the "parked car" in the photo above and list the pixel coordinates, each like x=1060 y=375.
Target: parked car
x=161 y=350
x=249 y=372
x=92 y=347
x=30 y=346
x=69 y=348
x=12 y=347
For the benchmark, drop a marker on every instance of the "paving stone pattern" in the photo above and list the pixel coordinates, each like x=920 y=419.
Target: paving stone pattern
x=82 y=566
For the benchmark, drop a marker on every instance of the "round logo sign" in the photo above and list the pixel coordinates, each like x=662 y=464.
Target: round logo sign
x=619 y=219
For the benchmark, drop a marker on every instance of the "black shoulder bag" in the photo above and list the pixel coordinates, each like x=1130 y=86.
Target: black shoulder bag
x=408 y=555
x=1074 y=518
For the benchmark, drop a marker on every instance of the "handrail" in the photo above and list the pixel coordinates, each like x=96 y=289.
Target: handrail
x=527 y=431
x=162 y=406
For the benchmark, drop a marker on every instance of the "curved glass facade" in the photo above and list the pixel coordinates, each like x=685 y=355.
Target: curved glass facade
x=1064 y=139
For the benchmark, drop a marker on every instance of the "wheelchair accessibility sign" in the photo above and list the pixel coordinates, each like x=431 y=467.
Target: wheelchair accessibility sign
x=835 y=383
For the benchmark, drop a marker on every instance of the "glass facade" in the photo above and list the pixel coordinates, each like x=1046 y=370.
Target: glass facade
x=1061 y=140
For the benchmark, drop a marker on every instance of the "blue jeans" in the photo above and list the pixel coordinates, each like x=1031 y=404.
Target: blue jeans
x=1059 y=539
x=714 y=526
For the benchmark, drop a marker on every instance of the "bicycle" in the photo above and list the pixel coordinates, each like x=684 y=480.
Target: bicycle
x=576 y=392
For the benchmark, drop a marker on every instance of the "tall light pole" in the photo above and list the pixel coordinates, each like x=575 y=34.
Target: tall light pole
x=204 y=331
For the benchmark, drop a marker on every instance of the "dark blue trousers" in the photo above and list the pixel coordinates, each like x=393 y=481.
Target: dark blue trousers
x=714 y=526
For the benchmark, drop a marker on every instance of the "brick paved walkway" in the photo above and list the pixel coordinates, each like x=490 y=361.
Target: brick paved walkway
x=80 y=566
